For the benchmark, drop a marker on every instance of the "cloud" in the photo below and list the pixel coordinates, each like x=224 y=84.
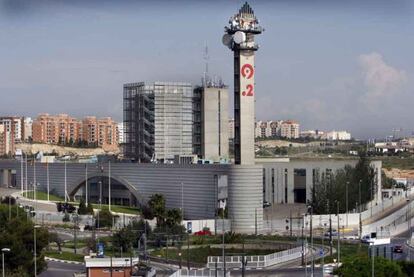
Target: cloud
x=380 y=79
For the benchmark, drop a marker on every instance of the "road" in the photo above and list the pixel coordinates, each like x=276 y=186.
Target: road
x=56 y=269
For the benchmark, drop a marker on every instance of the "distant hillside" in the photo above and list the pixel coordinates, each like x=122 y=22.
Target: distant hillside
x=63 y=150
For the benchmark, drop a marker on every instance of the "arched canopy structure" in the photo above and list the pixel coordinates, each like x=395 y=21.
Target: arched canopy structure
x=98 y=185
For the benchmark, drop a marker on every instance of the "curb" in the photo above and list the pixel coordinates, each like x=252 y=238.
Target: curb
x=63 y=261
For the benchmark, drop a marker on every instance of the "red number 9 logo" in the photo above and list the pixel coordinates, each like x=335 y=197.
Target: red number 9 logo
x=247 y=71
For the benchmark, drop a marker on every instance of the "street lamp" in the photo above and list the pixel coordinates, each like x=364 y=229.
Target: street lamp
x=34 y=249
x=346 y=195
x=310 y=211
x=179 y=255
x=4 y=250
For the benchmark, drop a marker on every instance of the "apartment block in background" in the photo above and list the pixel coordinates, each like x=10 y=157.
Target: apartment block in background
x=64 y=129
x=55 y=129
x=27 y=129
x=6 y=140
x=277 y=128
x=289 y=129
x=14 y=124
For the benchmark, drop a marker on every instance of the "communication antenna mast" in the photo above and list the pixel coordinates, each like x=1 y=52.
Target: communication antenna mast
x=206 y=58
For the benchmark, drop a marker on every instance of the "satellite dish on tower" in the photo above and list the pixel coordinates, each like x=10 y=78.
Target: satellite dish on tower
x=239 y=37
x=227 y=40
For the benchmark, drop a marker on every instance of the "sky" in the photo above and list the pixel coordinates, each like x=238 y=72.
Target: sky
x=343 y=65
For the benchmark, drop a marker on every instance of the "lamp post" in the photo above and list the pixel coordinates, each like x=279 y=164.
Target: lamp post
x=75 y=227
x=34 y=249
x=4 y=250
x=339 y=234
x=310 y=210
x=359 y=210
x=346 y=207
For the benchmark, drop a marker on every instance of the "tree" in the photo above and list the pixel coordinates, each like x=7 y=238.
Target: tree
x=174 y=217
x=332 y=187
x=387 y=183
x=147 y=212
x=53 y=237
x=105 y=218
x=17 y=234
x=129 y=235
x=157 y=205
x=82 y=207
x=90 y=208
x=361 y=266
x=66 y=217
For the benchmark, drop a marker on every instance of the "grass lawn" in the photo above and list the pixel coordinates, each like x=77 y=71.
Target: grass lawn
x=71 y=244
x=348 y=249
x=67 y=256
x=120 y=209
x=200 y=254
x=40 y=195
x=397 y=162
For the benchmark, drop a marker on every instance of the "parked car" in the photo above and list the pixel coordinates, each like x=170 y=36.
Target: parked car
x=203 y=233
x=334 y=233
x=266 y=204
x=398 y=249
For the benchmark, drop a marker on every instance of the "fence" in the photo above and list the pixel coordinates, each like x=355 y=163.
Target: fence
x=384 y=204
x=43 y=217
x=214 y=225
x=256 y=261
x=199 y=273
x=345 y=220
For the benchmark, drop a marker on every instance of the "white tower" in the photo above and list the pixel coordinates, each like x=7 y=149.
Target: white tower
x=239 y=37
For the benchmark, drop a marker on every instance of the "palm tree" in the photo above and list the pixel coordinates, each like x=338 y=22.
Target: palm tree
x=157 y=205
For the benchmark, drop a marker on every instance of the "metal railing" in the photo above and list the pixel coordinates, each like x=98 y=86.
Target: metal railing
x=260 y=261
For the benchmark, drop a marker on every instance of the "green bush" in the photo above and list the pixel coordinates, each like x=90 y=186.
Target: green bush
x=361 y=266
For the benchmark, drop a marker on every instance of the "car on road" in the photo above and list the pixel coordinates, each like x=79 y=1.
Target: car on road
x=328 y=270
x=334 y=233
x=398 y=249
x=266 y=204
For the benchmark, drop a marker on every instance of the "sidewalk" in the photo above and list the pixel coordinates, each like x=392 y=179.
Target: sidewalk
x=388 y=211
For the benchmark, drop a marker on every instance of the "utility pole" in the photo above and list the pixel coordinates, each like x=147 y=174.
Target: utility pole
x=75 y=219
x=223 y=246
x=346 y=195
x=86 y=184
x=303 y=242
x=360 y=203
x=339 y=234
x=48 y=181
x=26 y=174
x=188 y=251
x=311 y=239
x=21 y=173
x=66 y=185
x=330 y=229
x=373 y=259
x=255 y=222
x=109 y=185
